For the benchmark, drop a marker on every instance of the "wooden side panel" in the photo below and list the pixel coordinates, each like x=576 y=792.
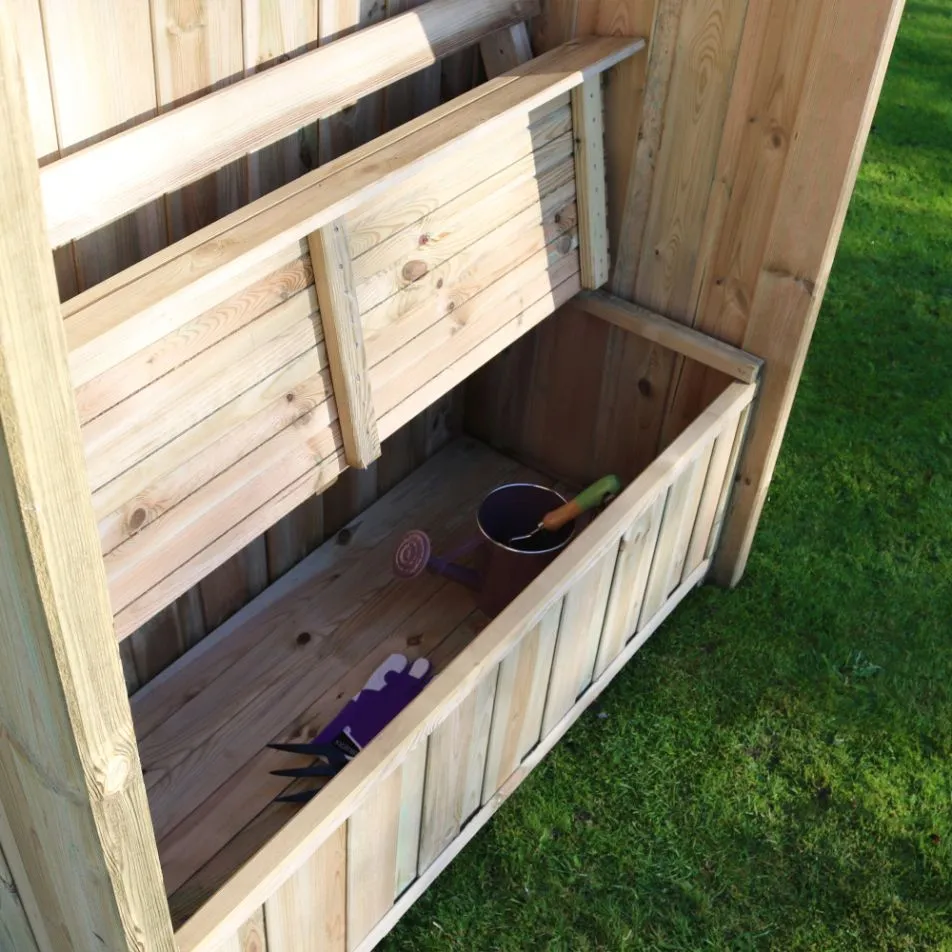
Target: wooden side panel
x=520 y=700
x=589 y=131
x=580 y=631
x=715 y=482
x=455 y=764
x=308 y=913
x=635 y=554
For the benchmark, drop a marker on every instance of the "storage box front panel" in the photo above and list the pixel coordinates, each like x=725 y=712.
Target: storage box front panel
x=436 y=774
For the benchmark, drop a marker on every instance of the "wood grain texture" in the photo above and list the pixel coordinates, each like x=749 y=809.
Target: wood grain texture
x=505 y=49
x=372 y=837
x=699 y=348
x=108 y=327
x=344 y=336
x=848 y=59
x=197 y=48
x=274 y=31
x=531 y=762
x=15 y=931
x=589 y=131
x=635 y=554
x=520 y=700
x=580 y=631
x=308 y=913
x=103 y=80
x=97 y=185
x=455 y=764
x=63 y=706
x=293 y=842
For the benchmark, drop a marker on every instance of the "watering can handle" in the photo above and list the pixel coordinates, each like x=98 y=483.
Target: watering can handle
x=585 y=500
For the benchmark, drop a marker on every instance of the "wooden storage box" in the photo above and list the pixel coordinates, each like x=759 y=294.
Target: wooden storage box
x=444 y=274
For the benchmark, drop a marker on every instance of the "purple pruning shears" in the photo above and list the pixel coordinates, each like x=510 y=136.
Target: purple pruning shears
x=388 y=691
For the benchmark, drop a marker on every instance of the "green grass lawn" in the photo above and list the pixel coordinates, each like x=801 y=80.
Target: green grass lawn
x=774 y=770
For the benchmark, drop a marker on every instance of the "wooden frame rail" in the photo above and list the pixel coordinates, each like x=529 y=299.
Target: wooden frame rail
x=96 y=185
x=678 y=337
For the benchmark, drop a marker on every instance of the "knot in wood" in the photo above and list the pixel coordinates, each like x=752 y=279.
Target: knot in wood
x=414 y=270
x=116 y=774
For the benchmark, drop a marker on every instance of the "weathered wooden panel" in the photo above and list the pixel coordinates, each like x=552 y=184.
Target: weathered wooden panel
x=456 y=761
x=520 y=700
x=580 y=631
x=308 y=913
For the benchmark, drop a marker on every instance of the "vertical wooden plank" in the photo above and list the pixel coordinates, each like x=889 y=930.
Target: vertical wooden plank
x=198 y=49
x=372 y=839
x=417 y=94
x=455 y=764
x=689 y=518
x=102 y=78
x=233 y=584
x=411 y=816
x=344 y=340
x=295 y=537
x=505 y=49
x=308 y=913
x=273 y=31
x=62 y=693
x=251 y=936
x=15 y=932
x=628 y=585
x=589 y=128
x=520 y=700
x=708 y=504
x=579 y=634
x=848 y=60
x=671 y=546
x=356 y=124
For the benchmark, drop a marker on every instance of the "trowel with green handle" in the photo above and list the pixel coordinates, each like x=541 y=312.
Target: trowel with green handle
x=585 y=500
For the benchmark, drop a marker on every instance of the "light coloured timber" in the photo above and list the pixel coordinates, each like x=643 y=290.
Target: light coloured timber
x=528 y=765
x=529 y=243
x=308 y=913
x=15 y=931
x=191 y=533
x=412 y=784
x=520 y=700
x=155 y=303
x=128 y=432
x=344 y=334
x=414 y=252
x=294 y=843
x=102 y=182
x=589 y=128
x=372 y=836
x=287 y=274
x=580 y=631
x=673 y=335
x=70 y=783
x=829 y=138
x=505 y=49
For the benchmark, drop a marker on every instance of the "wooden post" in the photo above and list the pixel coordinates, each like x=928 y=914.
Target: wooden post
x=71 y=787
x=344 y=339
x=849 y=55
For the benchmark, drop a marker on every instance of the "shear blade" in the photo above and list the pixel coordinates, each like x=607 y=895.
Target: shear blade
x=304 y=797
x=304 y=772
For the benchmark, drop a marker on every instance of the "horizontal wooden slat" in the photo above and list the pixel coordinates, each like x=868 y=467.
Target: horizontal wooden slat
x=287 y=274
x=90 y=188
x=290 y=848
x=678 y=337
x=209 y=264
